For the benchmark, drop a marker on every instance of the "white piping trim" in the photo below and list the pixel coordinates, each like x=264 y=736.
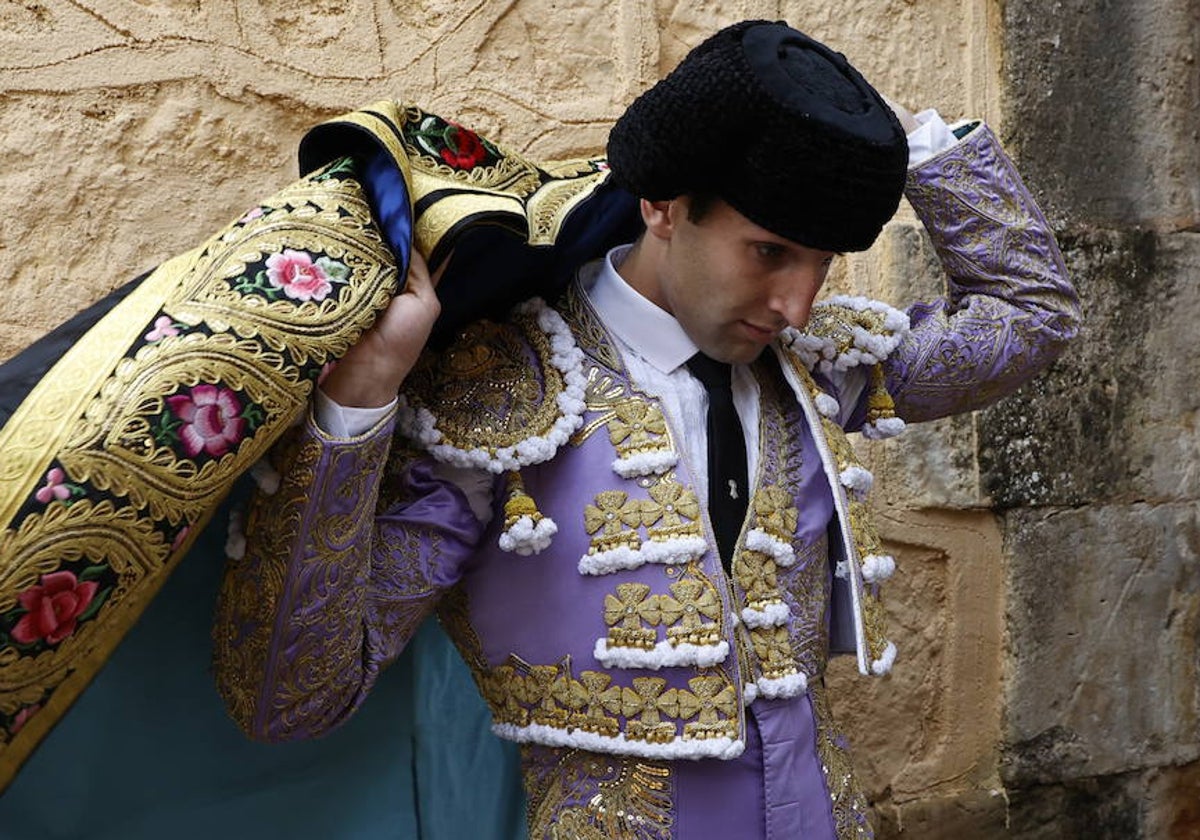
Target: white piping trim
x=538 y=733
x=792 y=685
x=840 y=504
x=759 y=540
x=663 y=655
x=670 y=552
x=645 y=463
x=421 y=425
x=774 y=615
x=883 y=664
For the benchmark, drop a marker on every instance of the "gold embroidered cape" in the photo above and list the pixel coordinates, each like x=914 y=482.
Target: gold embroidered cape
x=114 y=461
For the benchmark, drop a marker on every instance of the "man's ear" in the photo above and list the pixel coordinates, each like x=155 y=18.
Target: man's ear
x=657 y=217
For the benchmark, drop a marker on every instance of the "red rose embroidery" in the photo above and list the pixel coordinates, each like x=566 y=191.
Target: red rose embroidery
x=295 y=273
x=212 y=420
x=464 y=149
x=54 y=606
x=23 y=717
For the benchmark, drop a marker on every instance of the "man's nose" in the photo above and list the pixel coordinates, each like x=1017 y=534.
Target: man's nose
x=794 y=296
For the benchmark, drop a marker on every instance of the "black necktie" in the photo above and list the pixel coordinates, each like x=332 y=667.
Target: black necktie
x=727 y=482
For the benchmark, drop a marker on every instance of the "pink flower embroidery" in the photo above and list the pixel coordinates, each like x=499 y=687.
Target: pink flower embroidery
x=298 y=276
x=211 y=418
x=54 y=607
x=54 y=488
x=23 y=717
x=164 y=327
x=251 y=214
x=180 y=537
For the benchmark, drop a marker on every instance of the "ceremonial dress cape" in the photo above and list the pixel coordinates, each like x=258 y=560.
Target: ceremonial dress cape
x=125 y=428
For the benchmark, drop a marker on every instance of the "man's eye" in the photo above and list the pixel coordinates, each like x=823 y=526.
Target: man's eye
x=768 y=250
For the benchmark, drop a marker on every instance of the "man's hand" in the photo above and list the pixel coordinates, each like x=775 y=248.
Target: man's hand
x=371 y=372
x=907 y=121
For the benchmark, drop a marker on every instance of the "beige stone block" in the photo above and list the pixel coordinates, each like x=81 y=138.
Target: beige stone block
x=929 y=730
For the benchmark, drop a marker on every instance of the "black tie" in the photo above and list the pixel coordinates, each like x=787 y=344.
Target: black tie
x=727 y=482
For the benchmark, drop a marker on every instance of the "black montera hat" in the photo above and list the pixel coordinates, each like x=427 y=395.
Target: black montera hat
x=776 y=124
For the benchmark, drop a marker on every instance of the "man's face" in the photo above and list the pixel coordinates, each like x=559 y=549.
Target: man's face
x=731 y=284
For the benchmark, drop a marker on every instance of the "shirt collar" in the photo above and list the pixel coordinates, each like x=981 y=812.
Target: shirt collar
x=647 y=329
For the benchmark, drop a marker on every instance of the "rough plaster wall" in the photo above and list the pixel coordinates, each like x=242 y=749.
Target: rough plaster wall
x=133 y=128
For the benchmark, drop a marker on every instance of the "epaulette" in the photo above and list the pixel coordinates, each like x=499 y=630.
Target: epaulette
x=502 y=396
x=845 y=332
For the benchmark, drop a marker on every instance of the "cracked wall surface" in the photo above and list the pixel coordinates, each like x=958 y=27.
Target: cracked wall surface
x=1046 y=600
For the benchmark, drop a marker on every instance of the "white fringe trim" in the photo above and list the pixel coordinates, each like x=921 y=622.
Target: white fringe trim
x=867 y=348
x=265 y=476
x=669 y=552
x=526 y=538
x=646 y=463
x=235 y=540
x=858 y=480
x=883 y=428
x=878 y=567
x=883 y=664
x=792 y=685
x=773 y=616
x=663 y=655
x=759 y=540
x=538 y=733
x=749 y=693
x=841 y=570
x=421 y=425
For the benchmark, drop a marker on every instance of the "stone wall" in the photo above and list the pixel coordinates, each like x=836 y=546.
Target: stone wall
x=1046 y=605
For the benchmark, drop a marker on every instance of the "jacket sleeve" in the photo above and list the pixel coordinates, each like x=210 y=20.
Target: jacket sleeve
x=342 y=563
x=1010 y=309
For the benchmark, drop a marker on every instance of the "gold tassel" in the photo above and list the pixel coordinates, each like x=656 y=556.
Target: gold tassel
x=880 y=405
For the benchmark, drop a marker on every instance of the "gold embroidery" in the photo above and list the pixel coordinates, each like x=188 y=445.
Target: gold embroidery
x=712 y=701
x=642 y=707
x=850 y=811
x=577 y=795
x=773 y=646
x=675 y=507
x=692 y=600
x=775 y=513
x=629 y=608
x=613 y=521
x=493 y=388
x=637 y=427
x=755 y=573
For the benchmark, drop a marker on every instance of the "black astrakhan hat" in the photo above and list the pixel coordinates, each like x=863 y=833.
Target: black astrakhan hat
x=776 y=124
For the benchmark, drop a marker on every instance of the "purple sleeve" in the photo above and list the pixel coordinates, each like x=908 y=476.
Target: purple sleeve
x=1010 y=309
x=342 y=564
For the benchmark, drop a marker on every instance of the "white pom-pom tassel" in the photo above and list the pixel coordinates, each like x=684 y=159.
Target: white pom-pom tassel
x=527 y=536
x=884 y=427
x=858 y=480
x=877 y=568
x=265 y=476
x=235 y=540
x=827 y=405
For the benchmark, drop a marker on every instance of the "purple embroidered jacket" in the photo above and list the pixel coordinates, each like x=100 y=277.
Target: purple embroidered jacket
x=623 y=647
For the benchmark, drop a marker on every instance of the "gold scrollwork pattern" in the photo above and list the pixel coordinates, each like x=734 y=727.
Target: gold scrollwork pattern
x=577 y=795
x=640 y=708
x=147 y=421
x=494 y=388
